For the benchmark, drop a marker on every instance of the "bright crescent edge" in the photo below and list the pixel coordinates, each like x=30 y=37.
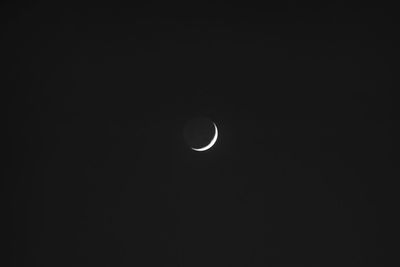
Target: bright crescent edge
x=211 y=143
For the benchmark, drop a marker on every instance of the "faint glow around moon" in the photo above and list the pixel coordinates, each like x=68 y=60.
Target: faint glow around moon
x=211 y=143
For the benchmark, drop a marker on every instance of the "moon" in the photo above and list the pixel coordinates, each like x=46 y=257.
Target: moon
x=200 y=133
x=212 y=142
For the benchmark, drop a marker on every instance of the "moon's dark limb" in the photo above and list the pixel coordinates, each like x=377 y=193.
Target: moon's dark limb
x=199 y=132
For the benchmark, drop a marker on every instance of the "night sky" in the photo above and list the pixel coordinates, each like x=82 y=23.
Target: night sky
x=98 y=173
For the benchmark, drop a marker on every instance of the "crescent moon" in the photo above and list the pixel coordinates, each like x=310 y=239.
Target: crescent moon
x=211 y=143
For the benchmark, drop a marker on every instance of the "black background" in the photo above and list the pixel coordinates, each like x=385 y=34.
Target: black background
x=303 y=172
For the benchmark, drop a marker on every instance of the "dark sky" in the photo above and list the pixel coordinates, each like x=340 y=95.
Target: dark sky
x=97 y=96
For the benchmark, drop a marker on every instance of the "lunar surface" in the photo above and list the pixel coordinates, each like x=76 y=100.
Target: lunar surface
x=200 y=134
x=211 y=143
